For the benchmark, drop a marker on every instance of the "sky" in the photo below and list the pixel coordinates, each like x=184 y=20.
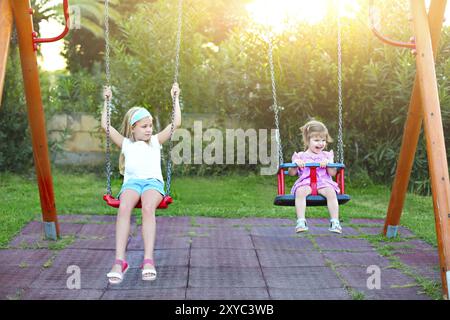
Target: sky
x=52 y=60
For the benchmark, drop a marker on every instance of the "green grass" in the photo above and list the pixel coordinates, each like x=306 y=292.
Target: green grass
x=229 y=197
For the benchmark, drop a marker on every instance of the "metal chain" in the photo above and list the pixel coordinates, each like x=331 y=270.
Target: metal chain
x=275 y=106
x=175 y=80
x=178 y=40
x=340 y=147
x=108 y=101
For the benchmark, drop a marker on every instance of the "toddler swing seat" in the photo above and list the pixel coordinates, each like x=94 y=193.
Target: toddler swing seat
x=314 y=199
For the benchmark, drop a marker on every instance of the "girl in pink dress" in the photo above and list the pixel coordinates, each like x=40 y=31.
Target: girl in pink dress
x=315 y=138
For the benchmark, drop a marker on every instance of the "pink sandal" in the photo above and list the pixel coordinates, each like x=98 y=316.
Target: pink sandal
x=148 y=274
x=117 y=277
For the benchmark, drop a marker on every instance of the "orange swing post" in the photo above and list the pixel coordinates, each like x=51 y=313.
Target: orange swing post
x=22 y=12
x=6 y=22
x=411 y=132
x=434 y=133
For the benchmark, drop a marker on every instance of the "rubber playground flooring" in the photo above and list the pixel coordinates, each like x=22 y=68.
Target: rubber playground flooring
x=219 y=259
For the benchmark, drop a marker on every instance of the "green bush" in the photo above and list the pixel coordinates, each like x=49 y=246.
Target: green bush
x=15 y=142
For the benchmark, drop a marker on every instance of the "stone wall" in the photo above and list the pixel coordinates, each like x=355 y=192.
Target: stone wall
x=83 y=140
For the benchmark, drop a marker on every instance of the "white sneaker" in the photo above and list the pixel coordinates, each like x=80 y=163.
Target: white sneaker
x=335 y=226
x=301 y=226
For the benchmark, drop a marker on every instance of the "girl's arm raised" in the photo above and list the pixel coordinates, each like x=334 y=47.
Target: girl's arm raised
x=164 y=135
x=116 y=137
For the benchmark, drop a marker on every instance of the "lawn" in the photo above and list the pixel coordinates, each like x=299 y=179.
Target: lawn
x=230 y=197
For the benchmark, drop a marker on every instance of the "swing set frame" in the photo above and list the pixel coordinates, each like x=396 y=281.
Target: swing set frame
x=424 y=108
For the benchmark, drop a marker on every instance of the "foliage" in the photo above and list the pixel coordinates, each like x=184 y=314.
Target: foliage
x=15 y=144
x=224 y=70
x=76 y=92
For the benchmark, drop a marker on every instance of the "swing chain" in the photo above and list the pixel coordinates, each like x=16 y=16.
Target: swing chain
x=108 y=101
x=174 y=99
x=340 y=147
x=276 y=108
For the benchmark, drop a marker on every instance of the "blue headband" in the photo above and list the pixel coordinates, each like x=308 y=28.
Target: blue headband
x=139 y=115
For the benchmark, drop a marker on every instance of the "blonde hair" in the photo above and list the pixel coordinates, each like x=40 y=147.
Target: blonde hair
x=127 y=131
x=314 y=128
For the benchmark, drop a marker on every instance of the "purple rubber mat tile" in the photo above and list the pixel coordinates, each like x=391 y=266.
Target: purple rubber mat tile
x=281 y=258
x=98 y=230
x=339 y=243
x=223 y=241
x=314 y=230
x=84 y=258
x=74 y=218
x=11 y=293
x=408 y=246
x=357 y=258
x=17 y=277
x=162 y=242
x=409 y=293
x=273 y=231
x=357 y=277
x=227 y=294
x=17 y=257
x=37 y=227
x=368 y=221
x=168 y=277
x=301 y=278
x=430 y=272
x=317 y=221
x=323 y=231
x=419 y=257
x=33 y=227
x=101 y=244
x=30 y=241
x=371 y=230
x=210 y=221
x=56 y=277
x=405 y=232
x=173 y=221
x=234 y=222
x=317 y=294
x=162 y=258
x=220 y=232
x=146 y=294
x=268 y=221
x=223 y=258
x=224 y=277
x=172 y=257
x=108 y=219
x=282 y=243
x=176 y=230
x=61 y=294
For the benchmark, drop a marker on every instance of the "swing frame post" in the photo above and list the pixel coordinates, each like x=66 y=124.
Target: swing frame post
x=434 y=133
x=6 y=22
x=22 y=13
x=411 y=132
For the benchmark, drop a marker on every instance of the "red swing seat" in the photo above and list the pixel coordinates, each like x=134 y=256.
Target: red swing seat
x=115 y=203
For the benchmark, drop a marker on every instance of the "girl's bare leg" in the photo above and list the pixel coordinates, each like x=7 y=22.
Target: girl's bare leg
x=300 y=201
x=332 y=202
x=128 y=200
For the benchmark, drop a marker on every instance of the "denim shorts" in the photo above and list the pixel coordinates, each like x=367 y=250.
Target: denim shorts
x=142 y=185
